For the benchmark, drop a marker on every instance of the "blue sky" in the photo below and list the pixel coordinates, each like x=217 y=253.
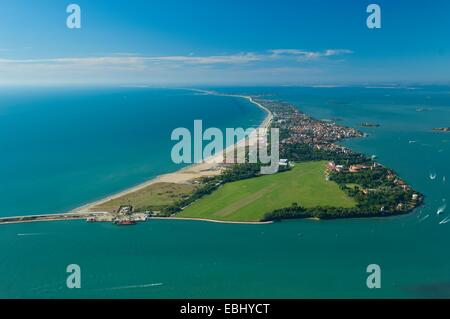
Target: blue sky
x=216 y=42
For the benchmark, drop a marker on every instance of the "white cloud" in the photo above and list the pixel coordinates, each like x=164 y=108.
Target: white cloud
x=310 y=55
x=130 y=67
x=133 y=59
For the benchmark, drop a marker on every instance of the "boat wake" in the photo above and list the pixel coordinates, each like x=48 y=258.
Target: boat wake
x=136 y=286
x=30 y=234
x=433 y=176
x=441 y=209
x=444 y=221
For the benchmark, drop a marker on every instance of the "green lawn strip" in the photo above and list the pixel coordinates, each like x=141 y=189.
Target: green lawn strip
x=251 y=199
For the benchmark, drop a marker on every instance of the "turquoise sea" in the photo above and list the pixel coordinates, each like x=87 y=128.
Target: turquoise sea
x=62 y=148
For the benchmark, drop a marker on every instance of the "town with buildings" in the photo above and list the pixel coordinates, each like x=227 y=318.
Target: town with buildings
x=301 y=128
x=377 y=189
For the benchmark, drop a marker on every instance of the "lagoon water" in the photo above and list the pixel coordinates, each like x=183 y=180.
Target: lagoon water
x=64 y=148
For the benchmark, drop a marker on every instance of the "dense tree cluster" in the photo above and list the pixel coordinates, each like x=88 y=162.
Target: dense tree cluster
x=326 y=212
x=302 y=152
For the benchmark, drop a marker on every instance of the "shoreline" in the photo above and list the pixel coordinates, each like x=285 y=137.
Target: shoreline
x=212 y=220
x=209 y=166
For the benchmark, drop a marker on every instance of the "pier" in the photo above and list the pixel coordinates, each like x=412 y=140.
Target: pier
x=43 y=217
x=123 y=216
x=57 y=217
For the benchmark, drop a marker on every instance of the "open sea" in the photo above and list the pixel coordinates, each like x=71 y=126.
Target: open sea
x=62 y=148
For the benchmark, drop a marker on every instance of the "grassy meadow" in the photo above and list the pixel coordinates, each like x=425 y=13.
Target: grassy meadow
x=152 y=197
x=251 y=199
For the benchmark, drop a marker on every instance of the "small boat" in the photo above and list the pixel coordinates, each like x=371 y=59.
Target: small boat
x=367 y=124
x=442 y=129
x=124 y=222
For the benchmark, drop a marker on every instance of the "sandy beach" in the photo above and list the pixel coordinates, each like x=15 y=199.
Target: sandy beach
x=209 y=167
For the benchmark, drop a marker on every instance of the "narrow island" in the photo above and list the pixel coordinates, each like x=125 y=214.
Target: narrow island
x=318 y=178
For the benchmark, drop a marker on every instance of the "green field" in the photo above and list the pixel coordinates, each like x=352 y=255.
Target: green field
x=152 y=197
x=251 y=199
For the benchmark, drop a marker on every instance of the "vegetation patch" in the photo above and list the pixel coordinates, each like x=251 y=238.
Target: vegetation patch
x=154 y=197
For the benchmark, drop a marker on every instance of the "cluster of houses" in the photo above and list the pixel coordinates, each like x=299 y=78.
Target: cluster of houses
x=320 y=134
x=304 y=129
x=399 y=182
x=333 y=147
x=123 y=216
x=126 y=216
x=315 y=132
x=332 y=167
